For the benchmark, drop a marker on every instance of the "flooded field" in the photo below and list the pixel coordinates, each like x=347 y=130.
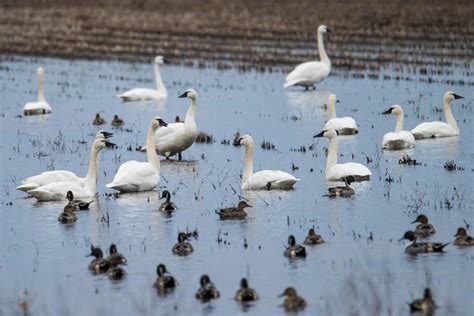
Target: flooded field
x=362 y=264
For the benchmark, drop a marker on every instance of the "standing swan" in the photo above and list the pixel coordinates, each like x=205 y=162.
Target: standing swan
x=41 y=106
x=399 y=139
x=440 y=129
x=311 y=72
x=56 y=191
x=343 y=125
x=265 y=179
x=142 y=94
x=134 y=176
x=337 y=172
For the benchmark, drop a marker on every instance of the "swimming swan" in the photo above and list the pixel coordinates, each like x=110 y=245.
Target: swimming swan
x=311 y=72
x=399 y=139
x=337 y=172
x=343 y=125
x=47 y=177
x=41 y=106
x=265 y=179
x=56 y=191
x=141 y=94
x=135 y=176
x=440 y=129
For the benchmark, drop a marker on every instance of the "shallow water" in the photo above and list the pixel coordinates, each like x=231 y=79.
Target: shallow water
x=370 y=275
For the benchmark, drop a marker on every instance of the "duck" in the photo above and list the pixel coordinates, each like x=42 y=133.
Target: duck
x=337 y=172
x=399 y=139
x=265 y=179
x=207 y=291
x=182 y=248
x=78 y=205
x=425 y=305
x=117 y=121
x=424 y=229
x=462 y=238
x=292 y=302
x=116 y=273
x=424 y=247
x=343 y=191
x=234 y=212
x=115 y=258
x=40 y=106
x=167 y=206
x=343 y=125
x=47 y=177
x=141 y=94
x=55 y=191
x=293 y=250
x=99 y=264
x=440 y=129
x=177 y=119
x=68 y=215
x=98 y=120
x=165 y=282
x=245 y=293
x=311 y=72
x=313 y=238
x=135 y=176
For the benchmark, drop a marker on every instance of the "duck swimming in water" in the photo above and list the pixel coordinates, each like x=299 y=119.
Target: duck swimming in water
x=292 y=302
x=167 y=206
x=293 y=250
x=98 y=120
x=424 y=247
x=165 y=282
x=234 y=212
x=424 y=229
x=343 y=191
x=182 y=248
x=68 y=215
x=462 y=238
x=245 y=293
x=78 y=205
x=207 y=291
x=425 y=305
x=116 y=273
x=115 y=257
x=117 y=121
x=99 y=264
x=313 y=238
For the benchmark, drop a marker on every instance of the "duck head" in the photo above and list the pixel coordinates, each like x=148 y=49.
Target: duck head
x=427 y=293
x=161 y=269
x=182 y=237
x=70 y=196
x=204 y=280
x=291 y=240
x=289 y=291
x=244 y=284
x=113 y=249
x=461 y=232
x=95 y=252
x=165 y=195
x=409 y=235
x=242 y=205
x=423 y=219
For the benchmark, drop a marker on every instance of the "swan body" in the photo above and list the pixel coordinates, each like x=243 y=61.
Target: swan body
x=135 y=176
x=312 y=72
x=266 y=179
x=142 y=94
x=47 y=177
x=399 y=139
x=343 y=125
x=440 y=129
x=337 y=172
x=56 y=191
x=40 y=106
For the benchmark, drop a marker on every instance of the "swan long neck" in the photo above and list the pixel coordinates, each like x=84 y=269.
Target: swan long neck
x=332 y=109
x=150 y=149
x=399 y=126
x=41 y=87
x=449 y=115
x=159 y=82
x=90 y=183
x=189 y=119
x=332 y=154
x=248 y=163
x=322 y=52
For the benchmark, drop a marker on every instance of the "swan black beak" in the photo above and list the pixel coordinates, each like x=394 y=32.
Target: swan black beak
x=184 y=95
x=163 y=123
x=387 y=112
x=110 y=144
x=107 y=134
x=319 y=135
x=337 y=101
x=166 y=61
x=457 y=96
x=328 y=30
x=237 y=142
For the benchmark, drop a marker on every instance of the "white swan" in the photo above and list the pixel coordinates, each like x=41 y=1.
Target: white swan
x=47 y=177
x=440 y=129
x=56 y=191
x=177 y=137
x=141 y=94
x=265 y=179
x=135 y=176
x=399 y=139
x=337 y=172
x=343 y=125
x=311 y=72
x=41 y=106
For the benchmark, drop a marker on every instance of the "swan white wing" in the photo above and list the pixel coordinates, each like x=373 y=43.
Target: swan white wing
x=433 y=129
x=57 y=191
x=340 y=123
x=37 y=107
x=400 y=140
x=133 y=176
x=141 y=94
x=307 y=73
x=49 y=177
x=339 y=171
x=270 y=179
x=174 y=138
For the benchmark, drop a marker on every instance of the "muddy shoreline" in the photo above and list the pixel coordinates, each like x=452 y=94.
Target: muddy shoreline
x=268 y=35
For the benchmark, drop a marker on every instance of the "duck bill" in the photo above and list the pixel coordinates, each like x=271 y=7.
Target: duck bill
x=281 y=295
x=319 y=135
x=415 y=221
x=401 y=239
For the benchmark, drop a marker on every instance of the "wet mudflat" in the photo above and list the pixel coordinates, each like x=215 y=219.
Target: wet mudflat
x=361 y=263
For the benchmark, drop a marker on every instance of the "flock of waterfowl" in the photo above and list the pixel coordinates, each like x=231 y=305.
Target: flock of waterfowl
x=172 y=139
